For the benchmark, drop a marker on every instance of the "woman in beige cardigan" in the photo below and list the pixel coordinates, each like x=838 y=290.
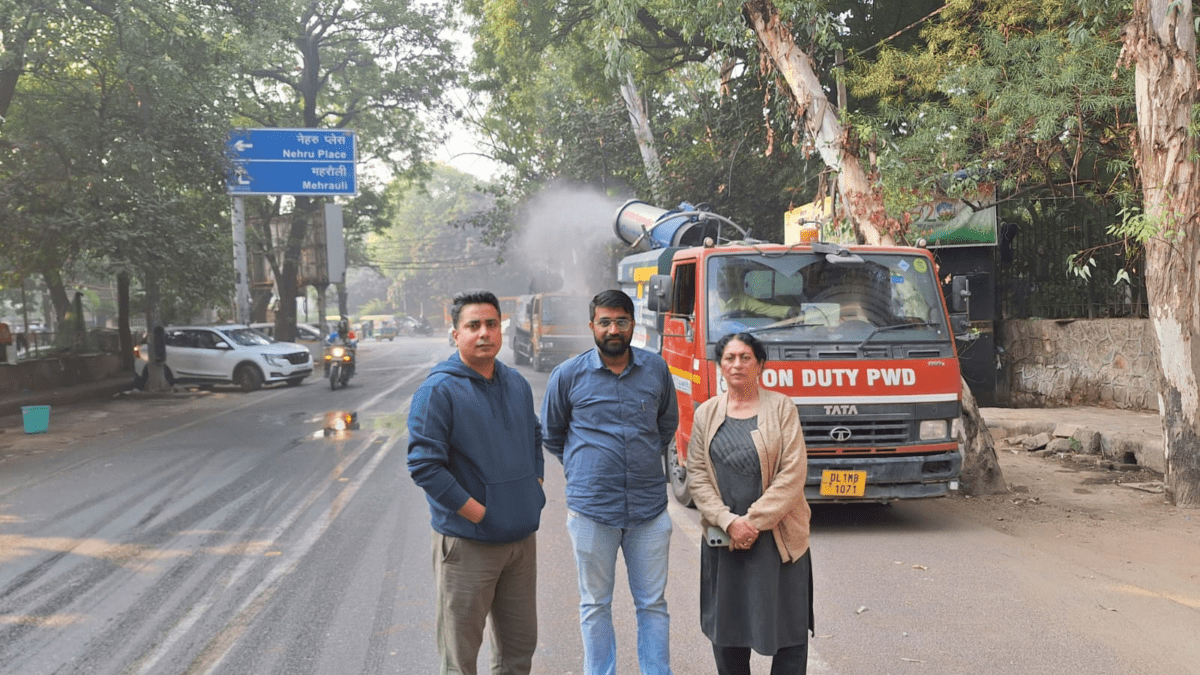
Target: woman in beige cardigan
x=746 y=467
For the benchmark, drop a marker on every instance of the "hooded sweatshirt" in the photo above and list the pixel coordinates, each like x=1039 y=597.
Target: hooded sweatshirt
x=473 y=437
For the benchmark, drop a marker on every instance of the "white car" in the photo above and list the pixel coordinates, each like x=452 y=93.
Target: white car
x=229 y=354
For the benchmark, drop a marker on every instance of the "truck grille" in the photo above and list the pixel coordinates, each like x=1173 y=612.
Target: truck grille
x=826 y=436
x=296 y=358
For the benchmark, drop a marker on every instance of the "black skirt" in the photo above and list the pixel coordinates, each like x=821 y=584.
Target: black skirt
x=750 y=598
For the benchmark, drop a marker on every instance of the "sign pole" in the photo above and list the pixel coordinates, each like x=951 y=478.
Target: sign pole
x=241 y=302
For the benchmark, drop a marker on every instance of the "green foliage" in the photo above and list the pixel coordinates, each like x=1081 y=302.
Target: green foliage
x=381 y=67
x=552 y=71
x=1081 y=265
x=97 y=179
x=428 y=253
x=1018 y=92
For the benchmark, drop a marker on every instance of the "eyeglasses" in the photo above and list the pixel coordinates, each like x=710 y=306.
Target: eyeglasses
x=622 y=324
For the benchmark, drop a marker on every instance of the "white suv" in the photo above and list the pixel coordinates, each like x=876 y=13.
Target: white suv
x=231 y=354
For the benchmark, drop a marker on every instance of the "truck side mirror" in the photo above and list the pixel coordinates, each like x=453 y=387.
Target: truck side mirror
x=658 y=293
x=960 y=326
x=960 y=294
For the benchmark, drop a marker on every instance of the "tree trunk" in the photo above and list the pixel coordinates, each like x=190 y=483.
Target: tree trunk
x=8 y=87
x=289 y=269
x=635 y=105
x=260 y=302
x=343 y=298
x=156 y=378
x=58 y=296
x=981 y=473
x=124 y=335
x=862 y=198
x=1160 y=43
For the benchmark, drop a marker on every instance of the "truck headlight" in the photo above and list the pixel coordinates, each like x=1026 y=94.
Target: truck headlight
x=932 y=430
x=271 y=359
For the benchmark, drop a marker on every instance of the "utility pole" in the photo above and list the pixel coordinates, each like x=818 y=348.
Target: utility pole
x=241 y=301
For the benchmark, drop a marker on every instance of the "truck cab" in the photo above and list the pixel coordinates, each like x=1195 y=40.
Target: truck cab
x=858 y=337
x=549 y=328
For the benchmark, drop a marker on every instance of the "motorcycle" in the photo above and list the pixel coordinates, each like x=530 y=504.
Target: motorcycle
x=339 y=364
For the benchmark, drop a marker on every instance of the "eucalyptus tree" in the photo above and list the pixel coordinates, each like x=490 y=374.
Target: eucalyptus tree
x=380 y=67
x=553 y=74
x=1160 y=45
x=770 y=29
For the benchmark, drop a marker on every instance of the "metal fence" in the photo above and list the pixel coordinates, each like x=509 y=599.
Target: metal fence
x=1034 y=279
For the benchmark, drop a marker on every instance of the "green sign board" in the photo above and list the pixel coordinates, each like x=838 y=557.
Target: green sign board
x=952 y=222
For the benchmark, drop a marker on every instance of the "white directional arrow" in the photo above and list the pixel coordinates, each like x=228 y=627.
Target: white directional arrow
x=242 y=146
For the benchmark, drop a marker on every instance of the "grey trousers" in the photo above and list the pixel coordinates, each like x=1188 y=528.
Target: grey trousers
x=475 y=580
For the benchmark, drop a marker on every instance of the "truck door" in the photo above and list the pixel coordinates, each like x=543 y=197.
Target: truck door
x=682 y=344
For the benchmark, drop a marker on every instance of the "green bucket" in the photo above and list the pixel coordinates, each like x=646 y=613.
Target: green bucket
x=36 y=417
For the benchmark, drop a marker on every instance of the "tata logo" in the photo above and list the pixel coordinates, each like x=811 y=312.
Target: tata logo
x=841 y=410
x=839 y=434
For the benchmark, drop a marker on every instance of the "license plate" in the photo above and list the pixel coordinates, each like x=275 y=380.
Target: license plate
x=843 y=483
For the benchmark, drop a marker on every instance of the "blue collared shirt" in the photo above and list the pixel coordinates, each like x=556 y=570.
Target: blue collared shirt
x=610 y=432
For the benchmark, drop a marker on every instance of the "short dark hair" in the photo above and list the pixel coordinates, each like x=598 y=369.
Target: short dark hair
x=472 y=297
x=755 y=345
x=612 y=299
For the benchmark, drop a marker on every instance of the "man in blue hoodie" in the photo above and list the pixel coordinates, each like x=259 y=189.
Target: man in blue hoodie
x=475 y=447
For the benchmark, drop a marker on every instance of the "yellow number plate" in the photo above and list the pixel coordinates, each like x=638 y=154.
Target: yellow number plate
x=843 y=483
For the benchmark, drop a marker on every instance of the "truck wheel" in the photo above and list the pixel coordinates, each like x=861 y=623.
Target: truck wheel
x=677 y=474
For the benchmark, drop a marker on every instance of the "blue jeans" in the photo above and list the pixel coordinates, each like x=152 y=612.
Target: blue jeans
x=646 y=547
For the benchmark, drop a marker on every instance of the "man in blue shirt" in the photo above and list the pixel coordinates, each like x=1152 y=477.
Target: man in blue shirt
x=609 y=415
x=475 y=448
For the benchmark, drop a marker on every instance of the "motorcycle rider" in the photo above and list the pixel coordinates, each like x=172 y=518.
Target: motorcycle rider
x=342 y=335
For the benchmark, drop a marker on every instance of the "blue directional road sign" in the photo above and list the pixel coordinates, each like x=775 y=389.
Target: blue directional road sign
x=315 y=162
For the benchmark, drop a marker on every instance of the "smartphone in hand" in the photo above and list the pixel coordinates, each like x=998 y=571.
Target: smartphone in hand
x=715 y=536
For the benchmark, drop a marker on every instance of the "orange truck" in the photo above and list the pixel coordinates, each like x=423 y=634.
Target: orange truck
x=548 y=328
x=858 y=336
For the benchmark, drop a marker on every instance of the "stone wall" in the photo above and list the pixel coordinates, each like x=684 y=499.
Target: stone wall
x=53 y=373
x=1104 y=362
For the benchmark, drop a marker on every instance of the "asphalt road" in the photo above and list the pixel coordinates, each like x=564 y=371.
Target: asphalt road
x=222 y=532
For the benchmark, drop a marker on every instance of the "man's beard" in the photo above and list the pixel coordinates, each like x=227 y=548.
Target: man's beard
x=613 y=347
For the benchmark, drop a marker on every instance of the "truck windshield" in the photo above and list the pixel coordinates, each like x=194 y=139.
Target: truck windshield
x=565 y=310
x=801 y=296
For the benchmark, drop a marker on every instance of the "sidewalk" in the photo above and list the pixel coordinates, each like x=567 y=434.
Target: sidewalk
x=1118 y=435
x=10 y=405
